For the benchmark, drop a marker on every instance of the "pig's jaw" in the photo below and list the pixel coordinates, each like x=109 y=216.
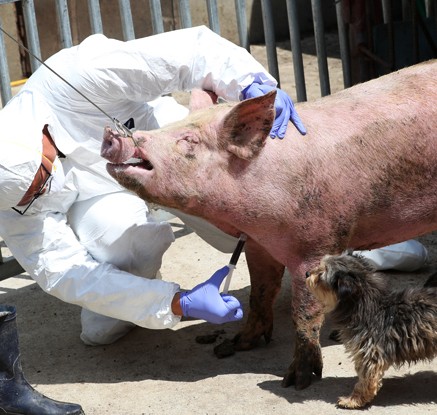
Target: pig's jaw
x=130 y=174
x=139 y=178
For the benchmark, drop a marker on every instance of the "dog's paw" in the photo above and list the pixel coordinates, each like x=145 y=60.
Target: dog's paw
x=349 y=402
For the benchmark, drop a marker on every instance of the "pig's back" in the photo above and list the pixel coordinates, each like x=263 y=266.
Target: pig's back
x=369 y=150
x=381 y=124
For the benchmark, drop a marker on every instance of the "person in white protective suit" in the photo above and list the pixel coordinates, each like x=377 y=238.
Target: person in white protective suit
x=79 y=235
x=85 y=239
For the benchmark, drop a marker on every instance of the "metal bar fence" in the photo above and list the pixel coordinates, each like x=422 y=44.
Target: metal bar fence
x=269 y=38
x=127 y=22
x=211 y=6
x=296 y=50
x=157 y=22
x=64 y=23
x=95 y=16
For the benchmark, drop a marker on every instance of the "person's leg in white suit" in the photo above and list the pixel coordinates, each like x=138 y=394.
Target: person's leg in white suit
x=405 y=256
x=116 y=228
x=118 y=241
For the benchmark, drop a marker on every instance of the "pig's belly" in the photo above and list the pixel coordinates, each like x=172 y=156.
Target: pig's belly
x=378 y=232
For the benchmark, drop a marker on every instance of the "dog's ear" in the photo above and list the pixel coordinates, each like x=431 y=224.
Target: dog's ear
x=345 y=284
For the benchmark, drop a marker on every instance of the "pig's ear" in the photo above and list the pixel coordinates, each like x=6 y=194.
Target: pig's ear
x=200 y=99
x=248 y=124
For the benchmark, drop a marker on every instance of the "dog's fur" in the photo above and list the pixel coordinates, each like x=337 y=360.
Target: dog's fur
x=379 y=327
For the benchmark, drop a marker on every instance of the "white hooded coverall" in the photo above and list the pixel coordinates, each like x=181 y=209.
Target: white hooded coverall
x=87 y=243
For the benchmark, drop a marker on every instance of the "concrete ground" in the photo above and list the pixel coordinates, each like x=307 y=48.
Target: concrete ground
x=168 y=372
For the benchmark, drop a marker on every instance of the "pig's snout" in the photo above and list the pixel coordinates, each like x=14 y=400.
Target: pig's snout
x=115 y=148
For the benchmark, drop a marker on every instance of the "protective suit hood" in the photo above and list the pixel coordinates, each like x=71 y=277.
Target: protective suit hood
x=20 y=146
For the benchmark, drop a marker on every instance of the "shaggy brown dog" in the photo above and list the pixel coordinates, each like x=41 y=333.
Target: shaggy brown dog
x=378 y=326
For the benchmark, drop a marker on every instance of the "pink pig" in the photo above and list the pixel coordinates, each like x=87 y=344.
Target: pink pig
x=364 y=176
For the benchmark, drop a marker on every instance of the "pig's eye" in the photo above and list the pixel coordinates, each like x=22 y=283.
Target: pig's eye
x=187 y=143
x=188 y=137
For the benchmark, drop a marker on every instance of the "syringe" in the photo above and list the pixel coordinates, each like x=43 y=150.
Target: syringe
x=234 y=260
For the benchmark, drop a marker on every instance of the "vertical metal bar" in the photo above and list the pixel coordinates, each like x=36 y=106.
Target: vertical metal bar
x=415 y=33
x=406 y=12
x=127 y=23
x=344 y=46
x=64 y=23
x=213 y=19
x=156 y=11
x=428 y=8
x=388 y=20
x=5 y=80
x=319 y=35
x=367 y=66
x=31 y=32
x=184 y=10
x=386 y=11
x=240 y=11
x=296 y=50
x=269 y=34
x=95 y=16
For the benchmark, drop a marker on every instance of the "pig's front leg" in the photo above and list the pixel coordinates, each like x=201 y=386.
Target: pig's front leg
x=307 y=318
x=265 y=277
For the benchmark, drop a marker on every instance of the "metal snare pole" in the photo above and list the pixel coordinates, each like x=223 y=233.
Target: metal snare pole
x=234 y=260
x=121 y=129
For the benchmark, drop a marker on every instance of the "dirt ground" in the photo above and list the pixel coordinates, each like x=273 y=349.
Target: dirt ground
x=168 y=372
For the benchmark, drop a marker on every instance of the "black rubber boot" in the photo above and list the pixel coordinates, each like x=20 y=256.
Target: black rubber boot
x=17 y=397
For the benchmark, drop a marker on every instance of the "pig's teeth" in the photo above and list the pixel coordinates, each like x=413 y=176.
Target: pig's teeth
x=142 y=163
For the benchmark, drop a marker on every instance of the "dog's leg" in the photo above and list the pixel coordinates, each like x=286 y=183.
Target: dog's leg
x=368 y=385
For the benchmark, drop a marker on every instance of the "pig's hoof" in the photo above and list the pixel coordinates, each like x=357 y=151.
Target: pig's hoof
x=241 y=344
x=224 y=349
x=243 y=341
x=209 y=338
x=299 y=380
x=301 y=371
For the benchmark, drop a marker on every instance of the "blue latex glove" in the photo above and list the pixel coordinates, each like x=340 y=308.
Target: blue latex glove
x=284 y=109
x=205 y=302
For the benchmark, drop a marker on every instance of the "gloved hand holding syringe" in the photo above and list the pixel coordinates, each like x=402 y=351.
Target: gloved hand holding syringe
x=206 y=302
x=233 y=261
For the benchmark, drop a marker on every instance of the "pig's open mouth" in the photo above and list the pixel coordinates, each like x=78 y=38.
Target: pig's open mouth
x=122 y=152
x=135 y=164
x=142 y=164
x=139 y=162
